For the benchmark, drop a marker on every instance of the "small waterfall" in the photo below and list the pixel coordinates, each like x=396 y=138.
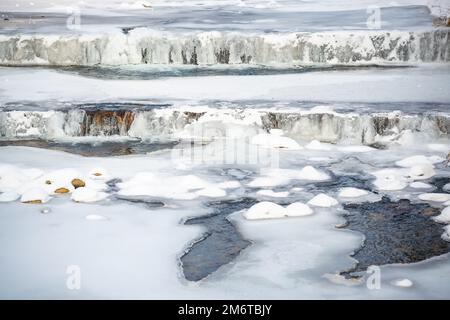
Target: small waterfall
x=144 y=46
x=332 y=127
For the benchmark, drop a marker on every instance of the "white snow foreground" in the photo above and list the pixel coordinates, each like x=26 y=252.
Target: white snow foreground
x=270 y=210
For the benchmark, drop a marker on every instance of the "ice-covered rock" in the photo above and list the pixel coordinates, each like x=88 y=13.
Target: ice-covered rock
x=322 y=200
x=446 y=187
x=444 y=217
x=298 y=209
x=9 y=196
x=403 y=283
x=211 y=192
x=350 y=192
x=35 y=195
x=265 y=210
x=271 y=193
x=435 y=197
x=311 y=173
x=85 y=194
x=420 y=185
x=275 y=141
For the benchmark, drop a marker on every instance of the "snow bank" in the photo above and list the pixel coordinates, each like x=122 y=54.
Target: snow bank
x=311 y=173
x=298 y=209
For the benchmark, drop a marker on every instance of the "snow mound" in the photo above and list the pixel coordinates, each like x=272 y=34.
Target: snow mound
x=85 y=194
x=444 y=217
x=275 y=141
x=265 y=210
x=352 y=192
x=446 y=187
x=322 y=200
x=403 y=283
x=271 y=193
x=311 y=173
x=35 y=195
x=435 y=197
x=317 y=145
x=298 y=209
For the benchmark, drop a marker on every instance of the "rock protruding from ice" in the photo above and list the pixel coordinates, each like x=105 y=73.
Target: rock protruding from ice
x=99 y=174
x=322 y=200
x=435 y=197
x=350 y=192
x=85 y=194
x=444 y=217
x=269 y=140
x=403 y=283
x=270 y=210
x=35 y=195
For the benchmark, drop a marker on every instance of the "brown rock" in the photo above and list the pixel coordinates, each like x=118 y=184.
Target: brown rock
x=33 y=201
x=62 y=190
x=48 y=182
x=97 y=174
x=78 y=183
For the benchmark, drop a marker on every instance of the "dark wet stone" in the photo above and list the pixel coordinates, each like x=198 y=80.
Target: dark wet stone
x=219 y=245
x=99 y=149
x=395 y=232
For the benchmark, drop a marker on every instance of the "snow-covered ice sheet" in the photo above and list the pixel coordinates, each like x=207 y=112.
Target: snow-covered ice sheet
x=421 y=84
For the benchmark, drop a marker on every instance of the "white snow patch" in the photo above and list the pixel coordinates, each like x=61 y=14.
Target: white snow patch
x=95 y=217
x=211 y=192
x=311 y=173
x=275 y=141
x=317 y=145
x=389 y=180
